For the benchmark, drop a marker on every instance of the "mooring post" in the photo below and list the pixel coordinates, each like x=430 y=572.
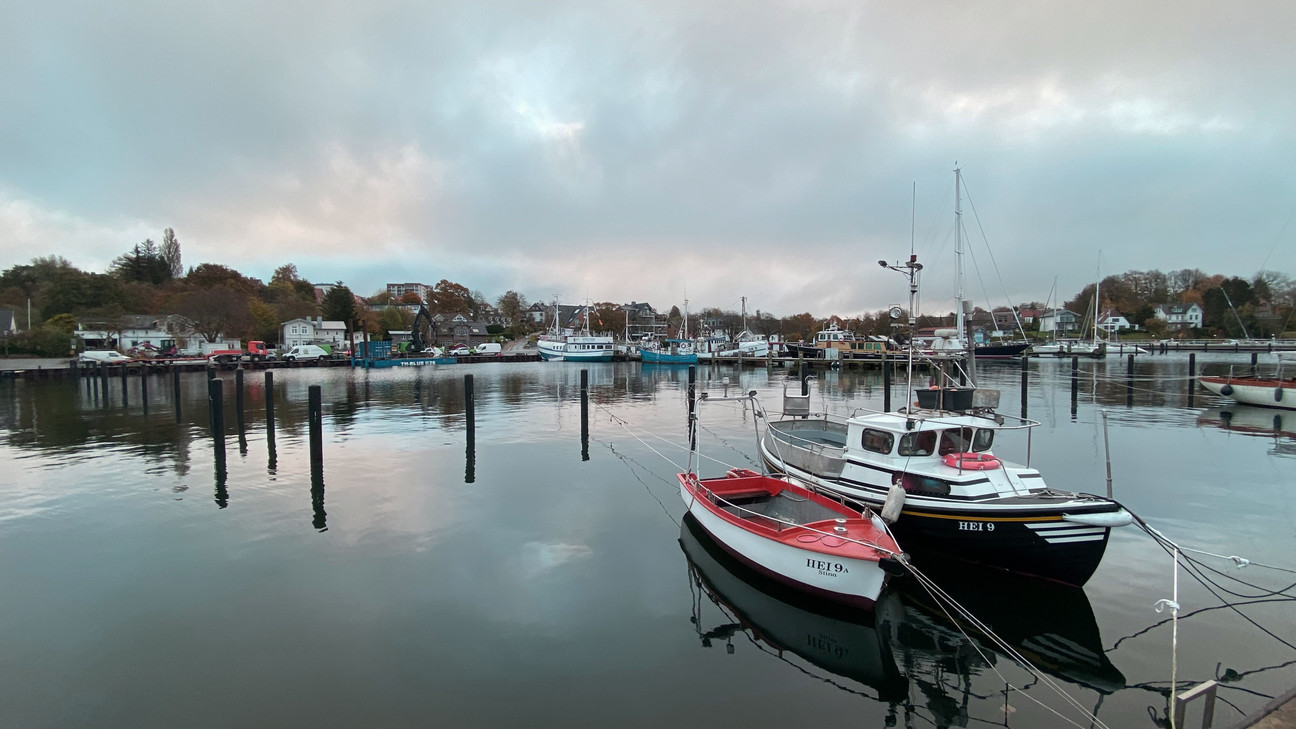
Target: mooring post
x=175 y=391
x=1192 y=377
x=103 y=376
x=75 y=366
x=886 y=385
x=144 y=390
x=125 y=400
x=211 y=372
x=1025 y=379
x=801 y=375
x=1129 y=380
x=216 y=406
x=1075 y=382
x=470 y=442
x=1254 y=360
x=315 y=423
x=238 y=396
x=584 y=395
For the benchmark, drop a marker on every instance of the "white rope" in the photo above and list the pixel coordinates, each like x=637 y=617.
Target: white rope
x=1239 y=561
x=1173 y=606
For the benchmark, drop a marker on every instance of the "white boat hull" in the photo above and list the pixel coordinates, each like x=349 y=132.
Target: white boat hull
x=844 y=579
x=1263 y=393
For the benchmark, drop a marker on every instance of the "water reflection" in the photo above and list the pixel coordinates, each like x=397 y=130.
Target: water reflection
x=909 y=652
x=1277 y=425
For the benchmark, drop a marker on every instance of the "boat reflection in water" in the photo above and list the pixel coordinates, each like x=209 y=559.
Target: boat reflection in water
x=1278 y=425
x=908 y=652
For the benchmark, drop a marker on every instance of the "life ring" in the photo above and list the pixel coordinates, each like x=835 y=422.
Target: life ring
x=972 y=461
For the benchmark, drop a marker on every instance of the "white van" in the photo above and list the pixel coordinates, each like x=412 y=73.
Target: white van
x=488 y=348
x=306 y=351
x=106 y=356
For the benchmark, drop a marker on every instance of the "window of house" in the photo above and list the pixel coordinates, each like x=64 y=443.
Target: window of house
x=878 y=441
x=919 y=443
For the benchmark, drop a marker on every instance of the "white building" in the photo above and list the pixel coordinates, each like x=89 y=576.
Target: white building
x=1179 y=316
x=297 y=332
x=397 y=290
x=151 y=332
x=1113 y=321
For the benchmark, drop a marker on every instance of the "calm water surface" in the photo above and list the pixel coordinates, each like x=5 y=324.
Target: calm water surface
x=526 y=577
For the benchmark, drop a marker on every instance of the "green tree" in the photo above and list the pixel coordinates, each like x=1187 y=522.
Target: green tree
x=512 y=305
x=144 y=262
x=171 y=253
x=339 y=305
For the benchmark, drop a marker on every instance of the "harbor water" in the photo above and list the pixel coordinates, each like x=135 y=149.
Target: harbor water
x=492 y=562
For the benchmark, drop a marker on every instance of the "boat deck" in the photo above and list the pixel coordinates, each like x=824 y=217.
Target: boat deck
x=777 y=510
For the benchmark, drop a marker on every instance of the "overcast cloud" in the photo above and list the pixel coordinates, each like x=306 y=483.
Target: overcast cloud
x=653 y=151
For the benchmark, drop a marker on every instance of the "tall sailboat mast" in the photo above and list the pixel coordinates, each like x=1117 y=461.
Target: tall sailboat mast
x=958 y=253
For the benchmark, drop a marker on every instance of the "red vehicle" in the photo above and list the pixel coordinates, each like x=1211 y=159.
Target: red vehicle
x=256 y=352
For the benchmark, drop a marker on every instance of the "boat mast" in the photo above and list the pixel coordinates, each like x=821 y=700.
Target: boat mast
x=684 y=335
x=958 y=253
x=744 y=314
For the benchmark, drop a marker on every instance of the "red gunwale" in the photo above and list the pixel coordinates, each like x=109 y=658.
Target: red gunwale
x=857 y=527
x=1250 y=381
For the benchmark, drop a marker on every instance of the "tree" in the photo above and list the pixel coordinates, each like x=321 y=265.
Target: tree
x=394 y=319
x=143 y=263
x=219 y=310
x=211 y=275
x=171 y=253
x=339 y=305
x=382 y=298
x=450 y=298
x=410 y=298
x=512 y=305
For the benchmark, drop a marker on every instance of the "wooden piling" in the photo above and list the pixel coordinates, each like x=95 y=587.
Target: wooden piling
x=1075 y=382
x=1192 y=377
x=175 y=391
x=216 y=406
x=315 y=422
x=144 y=390
x=1129 y=381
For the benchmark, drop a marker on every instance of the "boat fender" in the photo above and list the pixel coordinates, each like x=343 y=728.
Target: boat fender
x=1278 y=393
x=1226 y=390
x=894 y=566
x=894 y=503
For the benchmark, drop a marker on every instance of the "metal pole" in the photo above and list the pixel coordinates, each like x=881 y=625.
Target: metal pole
x=1107 y=454
x=692 y=405
x=886 y=385
x=1025 y=378
x=584 y=395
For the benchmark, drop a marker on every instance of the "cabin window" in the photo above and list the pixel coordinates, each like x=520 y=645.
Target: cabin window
x=955 y=440
x=964 y=440
x=878 y=441
x=920 y=443
x=913 y=483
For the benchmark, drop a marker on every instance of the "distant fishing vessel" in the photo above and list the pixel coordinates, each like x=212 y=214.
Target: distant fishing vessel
x=565 y=345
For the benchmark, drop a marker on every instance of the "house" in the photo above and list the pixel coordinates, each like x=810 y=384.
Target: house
x=642 y=320
x=462 y=331
x=305 y=330
x=1060 y=321
x=1179 y=316
x=397 y=290
x=536 y=313
x=8 y=324
x=1112 y=321
x=155 y=332
x=1028 y=316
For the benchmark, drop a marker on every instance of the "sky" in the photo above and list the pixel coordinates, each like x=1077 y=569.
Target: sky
x=657 y=151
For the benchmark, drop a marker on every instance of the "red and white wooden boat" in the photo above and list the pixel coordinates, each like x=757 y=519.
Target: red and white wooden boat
x=1270 y=392
x=794 y=535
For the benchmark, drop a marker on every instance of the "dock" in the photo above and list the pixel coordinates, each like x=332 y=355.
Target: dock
x=1277 y=714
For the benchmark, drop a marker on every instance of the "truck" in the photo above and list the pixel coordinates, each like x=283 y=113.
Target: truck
x=256 y=351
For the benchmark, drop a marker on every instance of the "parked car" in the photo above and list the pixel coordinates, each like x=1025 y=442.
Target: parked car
x=460 y=350
x=489 y=348
x=433 y=351
x=306 y=351
x=106 y=356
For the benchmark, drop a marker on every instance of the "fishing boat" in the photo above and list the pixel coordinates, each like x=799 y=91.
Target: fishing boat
x=680 y=350
x=670 y=351
x=794 y=535
x=1272 y=391
x=934 y=458
x=567 y=345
